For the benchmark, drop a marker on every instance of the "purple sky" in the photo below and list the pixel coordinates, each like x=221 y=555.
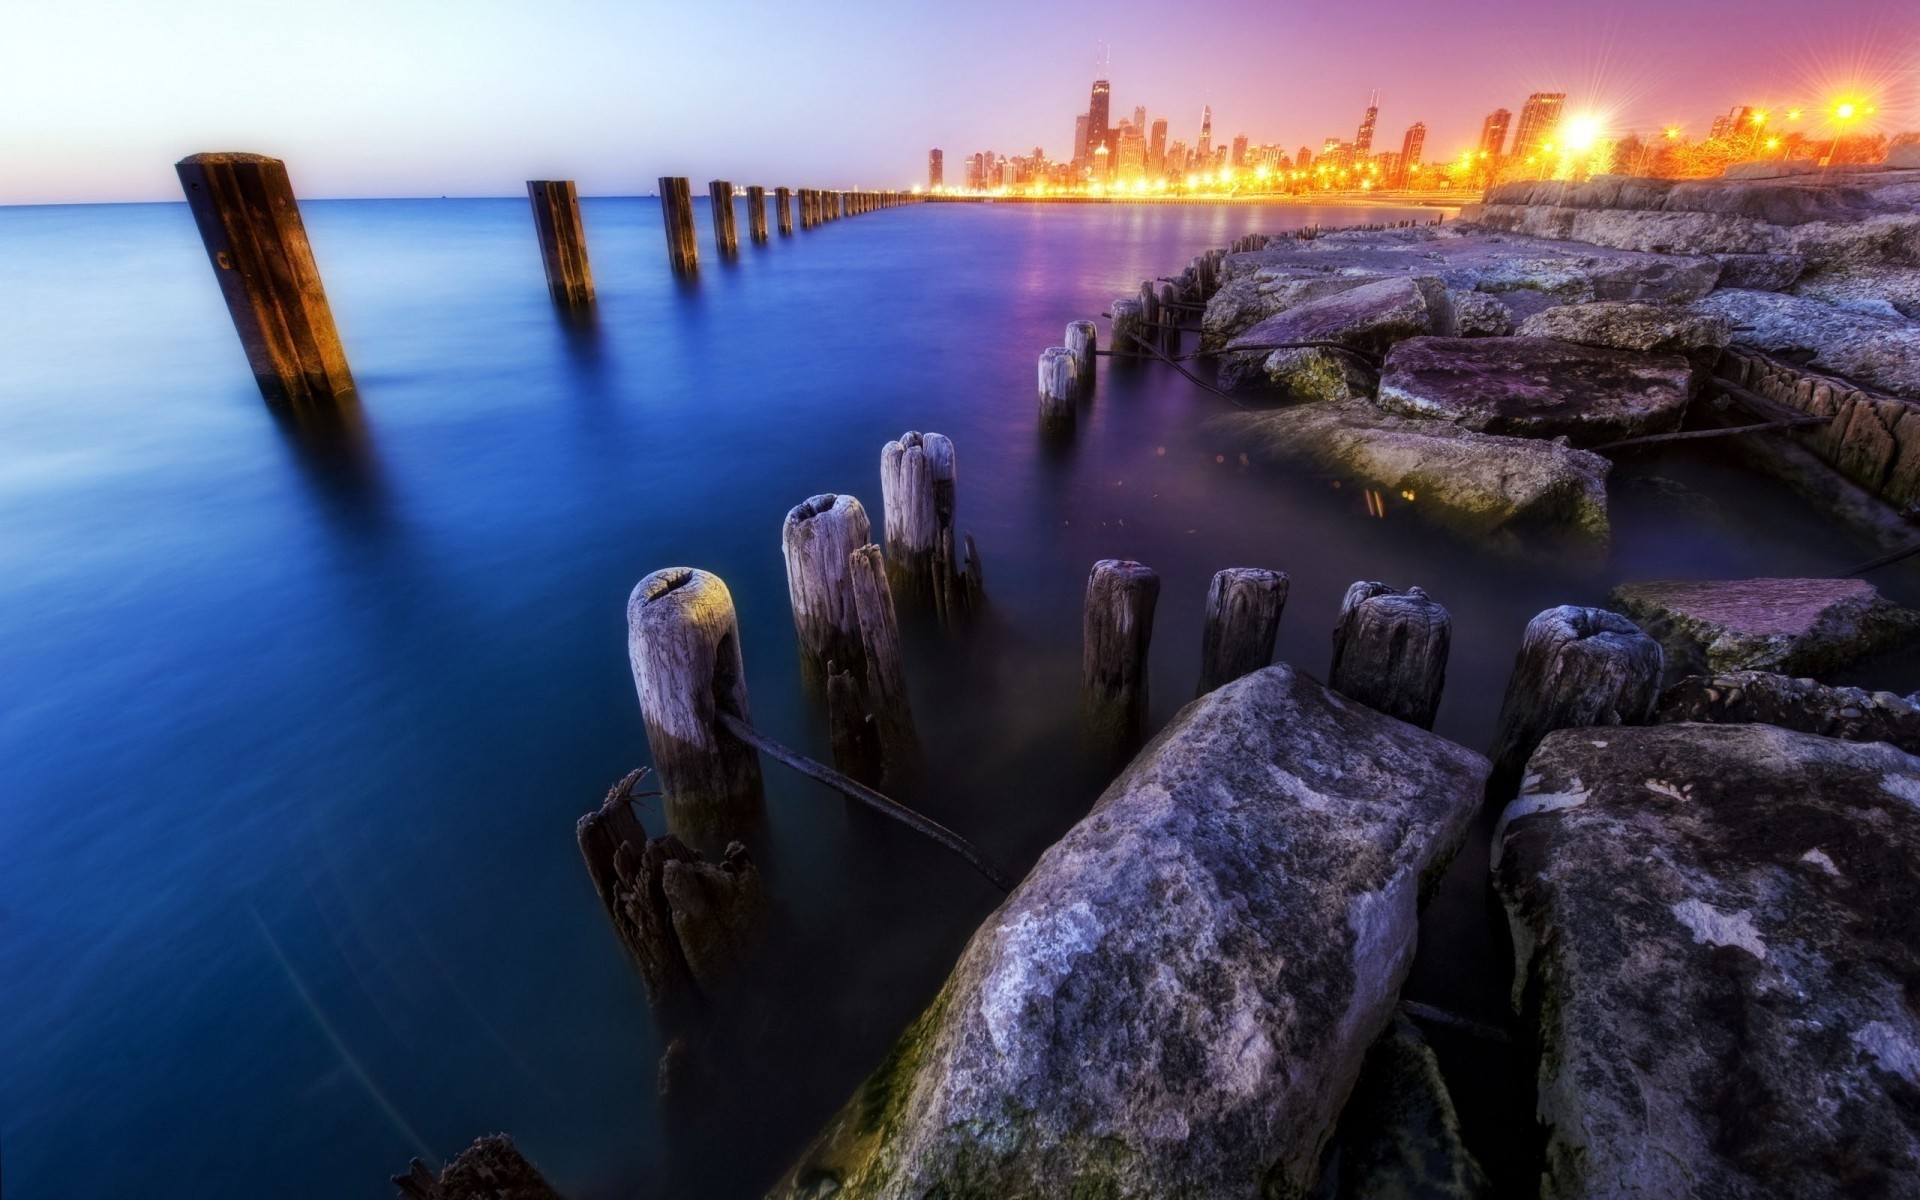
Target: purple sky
x=471 y=97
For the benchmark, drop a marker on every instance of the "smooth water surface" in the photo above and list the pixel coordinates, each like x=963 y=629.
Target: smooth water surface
x=297 y=721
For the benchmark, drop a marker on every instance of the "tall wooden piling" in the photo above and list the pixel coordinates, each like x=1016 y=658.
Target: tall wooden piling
x=1243 y=618
x=1116 y=628
x=1083 y=338
x=1390 y=651
x=817 y=539
x=726 y=236
x=783 y=211
x=676 y=211
x=1129 y=327
x=1150 y=311
x=250 y=223
x=1576 y=667
x=1168 y=298
x=757 y=213
x=1059 y=388
x=886 y=682
x=918 y=477
x=563 y=241
x=683 y=642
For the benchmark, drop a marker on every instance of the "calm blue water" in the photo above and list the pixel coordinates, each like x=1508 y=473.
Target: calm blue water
x=297 y=723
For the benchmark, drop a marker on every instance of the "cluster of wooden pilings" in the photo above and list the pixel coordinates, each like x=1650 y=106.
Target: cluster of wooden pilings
x=250 y=224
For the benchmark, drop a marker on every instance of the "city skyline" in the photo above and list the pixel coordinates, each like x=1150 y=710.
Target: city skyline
x=429 y=98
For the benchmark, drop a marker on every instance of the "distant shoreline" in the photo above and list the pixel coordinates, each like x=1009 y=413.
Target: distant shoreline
x=1372 y=199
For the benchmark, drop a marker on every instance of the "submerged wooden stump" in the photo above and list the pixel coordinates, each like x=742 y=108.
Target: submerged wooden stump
x=676 y=211
x=1117 y=627
x=684 y=644
x=1576 y=667
x=886 y=683
x=1390 y=651
x=1129 y=327
x=1083 y=338
x=1243 y=618
x=1059 y=388
x=918 y=478
x=726 y=234
x=250 y=223
x=817 y=539
x=563 y=241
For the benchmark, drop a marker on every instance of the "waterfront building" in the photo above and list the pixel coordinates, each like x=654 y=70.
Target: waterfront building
x=1098 y=132
x=1140 y=118
x=1102 y=163
x=1539 y=118
x=1176 y=163
x=1410 y=148
x=1157 y=150
x=1493 y=132
x=1303 y=160
x=936 y=172
x=1363 y=142
x=1131 y=153
x=1206 y=132
x=1239 y=156
x=1080 y=143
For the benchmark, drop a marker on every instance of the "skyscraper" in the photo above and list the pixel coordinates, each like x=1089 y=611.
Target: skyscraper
x=1363 y=142
x=1140 y=118
x=1416 y=141
x=1130 y=157
x=1493 y=134
x=1538 y=120
x=1080 y=143
x=1303 y=160
x=1239 y=156
x=936 y=169
x=1157 y=149
x=1206 y=133
x=1098 y=131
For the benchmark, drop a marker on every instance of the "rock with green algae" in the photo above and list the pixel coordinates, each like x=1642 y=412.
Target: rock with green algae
x=1178 y=998
x=1790 y=626
x=1399 y=1138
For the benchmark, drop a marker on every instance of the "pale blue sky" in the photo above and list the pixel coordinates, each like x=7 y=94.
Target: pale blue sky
x=431 y=97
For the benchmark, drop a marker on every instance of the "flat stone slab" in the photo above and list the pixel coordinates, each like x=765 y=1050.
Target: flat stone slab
x=1717 y=948
x=1787 y=626
x=1875 y=347
x=1763 y=698
x=1366 y=319
x=1514 y=494
x=1536 y=387
x=1631 y=325
x=1177 y=1000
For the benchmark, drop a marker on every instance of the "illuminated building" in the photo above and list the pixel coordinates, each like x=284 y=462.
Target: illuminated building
x=1102 y=163
x=1098 y=132
x=1131 y=154
x=1206 y=133
x=1410 y=148
x=1176 y=162
x=1538 y=120
x=1157 y=150
x=1303 y=160
x=1239 y=156
x=1140 y=119
x=1080 y=143
x=1724 y=126
x=1363 y=142
x=1493 y=134
x=936 y=169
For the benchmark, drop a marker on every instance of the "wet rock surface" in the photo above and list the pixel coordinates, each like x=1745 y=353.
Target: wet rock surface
x=1536 y=387
x=1762 y=698
x=1715 y=943
x=1513 y=492
x=1788 y=626
x=1178 y=998
x=1628 y=325
x=1365 y=320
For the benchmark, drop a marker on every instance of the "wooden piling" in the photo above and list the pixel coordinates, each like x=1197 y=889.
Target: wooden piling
x=250 y=223
x=726 y=236
x=817 y=539
x=1576 y=667
x=1059 y=387
x=1150 y=312
x=563 y=241
x=1083 y=338
x=1390 y=651
x=683 y=642
x=1129 y=323
x=886 y=682
x=676 y=210
x=783 y=211
x=1168 y=297
x=757 y=213
x=1116 y=628
x=918 y=475
x=1243 y=618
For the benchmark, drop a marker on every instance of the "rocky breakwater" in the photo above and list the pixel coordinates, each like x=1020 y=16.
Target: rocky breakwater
x=1718 y=954
x=1179 y=998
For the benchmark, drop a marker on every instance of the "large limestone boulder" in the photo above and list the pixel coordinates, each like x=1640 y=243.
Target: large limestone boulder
x=1788 y=626
x=1514 y=494
x=1536 y=387
x=1246 y=301
x=1177 y=1000
x=1365 y=320
x=1630 y=325
x=1717 y=948
x=1873 y=288
x=1762 y=698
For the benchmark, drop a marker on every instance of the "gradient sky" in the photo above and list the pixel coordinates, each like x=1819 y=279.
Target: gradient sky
x=471 y=97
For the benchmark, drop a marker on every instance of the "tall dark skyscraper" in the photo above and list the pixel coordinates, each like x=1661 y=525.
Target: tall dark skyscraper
x=1206 y=133
x=1416 y=141
x=1239 y=156
x=1099 y=133
x=1493 y=134
x=1363 y=141
x=1538 y=120
x=1157 y=149
x=936 y=169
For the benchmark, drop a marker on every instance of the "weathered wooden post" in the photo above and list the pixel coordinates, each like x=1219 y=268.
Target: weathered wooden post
x=676 y=210
x=918 y=475
x=886 y=683
x=817 y=539
x=1059 y=388
x=683 y=641
x=1116 y=629
x=1083 y=338
x=809 y=208
x=783 y=210
x=563 y=241
x=1390 y=651
x=1168 y=297
x=250 y=224
x=757 y=213
x=1576 y=667
x=1150 y=312
x=1243 y=617
x=726 y=236
x=1129 y=326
